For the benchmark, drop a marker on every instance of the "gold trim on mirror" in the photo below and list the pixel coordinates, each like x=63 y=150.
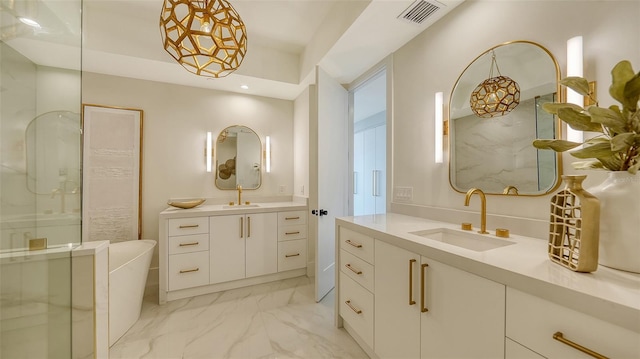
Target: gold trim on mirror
x=532 y=83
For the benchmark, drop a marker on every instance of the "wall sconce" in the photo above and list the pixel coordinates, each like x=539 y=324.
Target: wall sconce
x=209 y=151
x=439 y=128
x=574 y=68
x=267 y=154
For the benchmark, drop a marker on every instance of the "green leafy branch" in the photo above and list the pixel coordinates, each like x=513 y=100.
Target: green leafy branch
x=617 y=146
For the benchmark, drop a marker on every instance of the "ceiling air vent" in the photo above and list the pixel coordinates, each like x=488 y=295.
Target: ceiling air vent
x=418 y=12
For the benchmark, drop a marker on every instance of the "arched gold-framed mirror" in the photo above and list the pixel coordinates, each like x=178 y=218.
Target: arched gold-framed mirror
x=238 y=155
x=496 y=154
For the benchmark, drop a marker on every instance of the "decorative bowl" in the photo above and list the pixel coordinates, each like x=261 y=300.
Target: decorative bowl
x=186 y=204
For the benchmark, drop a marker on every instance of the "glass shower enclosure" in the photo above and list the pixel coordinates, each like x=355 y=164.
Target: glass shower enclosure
x=40 y=187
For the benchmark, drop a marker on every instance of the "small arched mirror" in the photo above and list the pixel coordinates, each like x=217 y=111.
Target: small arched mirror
x=238 y=158
x=494 y=152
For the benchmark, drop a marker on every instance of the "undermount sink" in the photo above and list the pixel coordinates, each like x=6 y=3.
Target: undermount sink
x=468 y=240
x=240 y=206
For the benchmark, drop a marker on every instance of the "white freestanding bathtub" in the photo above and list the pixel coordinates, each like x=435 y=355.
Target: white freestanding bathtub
x=128 y=268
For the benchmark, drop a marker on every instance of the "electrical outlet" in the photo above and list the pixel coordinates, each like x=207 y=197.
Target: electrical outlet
x=403 y=194
x=281 y=189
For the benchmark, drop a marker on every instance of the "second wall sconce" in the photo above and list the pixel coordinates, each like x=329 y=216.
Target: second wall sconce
x=208 y=154
x=267 y=154
x=574 y=68
x=439 y=127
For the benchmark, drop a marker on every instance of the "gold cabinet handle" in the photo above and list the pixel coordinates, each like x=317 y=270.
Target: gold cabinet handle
x=290 y=218
x=348 y=265
x=189 y=226
x=348 y=303
x=248 y=227
x=560 y=337
x=411 y=301
x=241 y=227
x=290 y=233
x=189 y=244
x=423 y=309
x=357 y=245
x=189 y=270
x=291 y=255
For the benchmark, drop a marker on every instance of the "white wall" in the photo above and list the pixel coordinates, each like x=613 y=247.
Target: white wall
x=175 y=122
x=432 y=62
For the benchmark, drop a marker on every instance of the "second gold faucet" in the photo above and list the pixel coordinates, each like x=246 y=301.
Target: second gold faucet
x=483 y=208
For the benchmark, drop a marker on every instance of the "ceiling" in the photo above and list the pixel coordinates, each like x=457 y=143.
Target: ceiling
x=286 y=39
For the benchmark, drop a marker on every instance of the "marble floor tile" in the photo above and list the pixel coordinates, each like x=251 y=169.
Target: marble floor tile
x=273 y=320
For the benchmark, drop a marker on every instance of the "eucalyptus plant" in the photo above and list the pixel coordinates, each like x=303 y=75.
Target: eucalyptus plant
x=617 y=146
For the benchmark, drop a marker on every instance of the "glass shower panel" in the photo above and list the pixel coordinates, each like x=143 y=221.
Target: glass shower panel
x=40 y=101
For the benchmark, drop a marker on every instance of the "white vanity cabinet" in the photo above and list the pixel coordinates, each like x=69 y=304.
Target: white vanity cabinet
x=215 y=248
x=424 y=308
x=533 y=321
x=242 y=246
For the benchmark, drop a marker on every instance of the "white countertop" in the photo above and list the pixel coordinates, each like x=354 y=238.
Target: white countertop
x=221 y=210
x=608 y=294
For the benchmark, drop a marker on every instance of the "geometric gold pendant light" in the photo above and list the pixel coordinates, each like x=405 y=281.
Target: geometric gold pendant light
x=207 y=37
x=495 y=96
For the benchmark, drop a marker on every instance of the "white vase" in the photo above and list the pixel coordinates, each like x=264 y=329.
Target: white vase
x=619 y=197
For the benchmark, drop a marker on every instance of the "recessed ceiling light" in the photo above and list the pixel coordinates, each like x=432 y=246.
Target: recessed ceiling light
x=244 y=87
x=29 y=22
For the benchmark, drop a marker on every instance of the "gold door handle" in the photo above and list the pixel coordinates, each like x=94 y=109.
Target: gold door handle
x=189 y=226
x=248 y=227
x=290 y=218
x=348 y=303
x=348 y=265
x=411 y=301
x=357 y=245
x=560 y=337
x=423 y=309
x=290 y=233
x=241 y=227
x=189 y=244
x=291 y=255
x=189 y=270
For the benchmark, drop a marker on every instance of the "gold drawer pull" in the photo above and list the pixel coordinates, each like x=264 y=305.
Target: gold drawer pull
x=189 y=244
x=348 y=303
x=358 y=272
x=290 y=233
x=291 y=255
x=423 y=309
x=357 y=245
x=291 y=218
x=189 y=270
x=411 y=301
x=560 y=337
x=189 y=226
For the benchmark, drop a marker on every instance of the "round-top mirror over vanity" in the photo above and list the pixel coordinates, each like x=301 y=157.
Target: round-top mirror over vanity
x=496 y=153
x=238 y=158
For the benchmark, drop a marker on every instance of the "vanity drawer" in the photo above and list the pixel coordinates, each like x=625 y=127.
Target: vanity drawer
x=357 y=269
x=533 y=321
x=292 y=255
x=188 y=244
x=188 y=270
x=286 y=233
x=357 y=244
x=292 y=217
x=185 y=226
x=356 y=308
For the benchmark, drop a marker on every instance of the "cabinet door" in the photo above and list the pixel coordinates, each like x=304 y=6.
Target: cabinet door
x=465 y=317
x=513 y=350
x=397 y=313
x=226 y=248
x=261 y=244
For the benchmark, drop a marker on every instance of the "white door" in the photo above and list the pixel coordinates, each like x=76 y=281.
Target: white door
x=328 y=165
x=261 y=238
x=226 y=248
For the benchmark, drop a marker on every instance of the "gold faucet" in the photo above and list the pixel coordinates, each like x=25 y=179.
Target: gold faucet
x=507 y=190
x=483 y=208
x=239 y=188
